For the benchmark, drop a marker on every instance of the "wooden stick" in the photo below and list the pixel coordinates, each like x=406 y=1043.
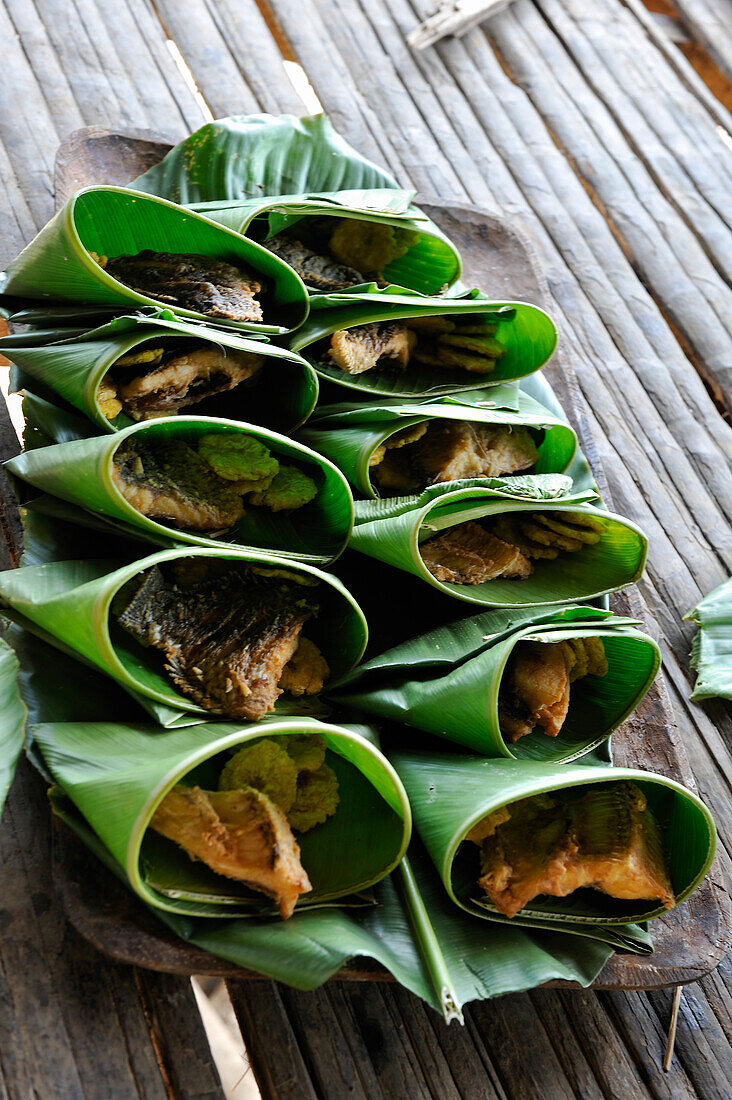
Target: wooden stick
x=668 y=1056
x=453 y=17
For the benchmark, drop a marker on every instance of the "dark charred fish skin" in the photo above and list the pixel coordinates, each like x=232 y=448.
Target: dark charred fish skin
x=209 y=286
x=316 y=271
x=226 y=637
x=168 y=480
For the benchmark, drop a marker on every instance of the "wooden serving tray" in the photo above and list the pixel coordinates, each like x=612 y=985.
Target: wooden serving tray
x=690 y=941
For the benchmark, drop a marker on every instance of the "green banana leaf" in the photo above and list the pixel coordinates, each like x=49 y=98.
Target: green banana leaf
x=431 y=264
x=81 y=471
x=451 y=794
x=73 y=364
x=393 y=530
x=349 y=434
x=711 y=650
x=68 y=603
x=12 y=729
x=447 y=682
x=526 y=331
x=57 y=265
x=250 y=156
x=117 y=775
x=537 y=387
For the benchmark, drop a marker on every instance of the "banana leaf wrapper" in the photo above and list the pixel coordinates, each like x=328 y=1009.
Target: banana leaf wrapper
x=117 y=775
x=447 y=682
x=711 y=650
x=441 y=954
x=81 y=472
x=250 y=156
x=57 y=265
x=450 y=794
x=73 y=364
x=527 y=332
x=430 y=266
x=68 y=604
x=392 y=531
x=349 y=434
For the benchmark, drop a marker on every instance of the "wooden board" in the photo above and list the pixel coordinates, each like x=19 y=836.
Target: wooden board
x=501 y=259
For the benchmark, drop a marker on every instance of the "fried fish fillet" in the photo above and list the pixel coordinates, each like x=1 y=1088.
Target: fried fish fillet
x=168 y=480
x=534 y=690
x=226 y=636
x=200 y=283
x=363 y=347
x=451 y=450
x=316 y=271
x=608 y=840
x=241 y=834
x=468 y=554
x=183 y=380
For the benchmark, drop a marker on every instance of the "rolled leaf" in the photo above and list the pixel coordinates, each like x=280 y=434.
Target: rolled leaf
x=58 y=266
x=392 y=531
x=68 y=603
x=248 y=156
x=81 y=472
x=448 y=681
x=451 y=794
x=527 y=333
x=118 y=775
x=282 y=395
x=711 y=651
x=431 y=264
x=349 y=434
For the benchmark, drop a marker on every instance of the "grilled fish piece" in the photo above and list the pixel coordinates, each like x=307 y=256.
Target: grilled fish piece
x=240 y=834
x=315 y=270
x=363 y=347
x=457 y=449
x=168 y=480
x=468 y=554
x=607 y=839
x=201 y=283
x=226 y=635
x=535 y=690
x=181 y=381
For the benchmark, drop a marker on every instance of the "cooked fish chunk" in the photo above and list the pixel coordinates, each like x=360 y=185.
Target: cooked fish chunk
x=241 y=834
x=226 y=636
x=319 y=272
x=534 y=690
x=184 y=380
x=608 y=840
x=363 y=347
x=168 y=480
x=306 y=671
x=200 y=283
x=468 y=554
x=451 y=450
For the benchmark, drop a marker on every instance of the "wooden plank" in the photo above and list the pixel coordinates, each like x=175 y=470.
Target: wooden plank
x=710 y=23
x=272 y=1047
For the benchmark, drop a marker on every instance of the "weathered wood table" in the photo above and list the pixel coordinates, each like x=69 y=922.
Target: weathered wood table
x=588 y=127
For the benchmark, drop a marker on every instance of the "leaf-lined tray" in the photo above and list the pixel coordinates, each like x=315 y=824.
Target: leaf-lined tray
x=690 y=941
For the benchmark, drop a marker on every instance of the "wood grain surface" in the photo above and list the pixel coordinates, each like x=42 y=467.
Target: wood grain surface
x=461 y=125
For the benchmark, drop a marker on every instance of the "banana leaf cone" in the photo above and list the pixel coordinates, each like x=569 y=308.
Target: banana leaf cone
x=526 y=333
x=69 y=604
x=393 y=531
x=117 y=775
x=83 y=472
x=451 y=794
x=280 y=395
x=58 y=264
x=448 y=682
x=350 y=435
x=711 y=650
x=429 y=264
